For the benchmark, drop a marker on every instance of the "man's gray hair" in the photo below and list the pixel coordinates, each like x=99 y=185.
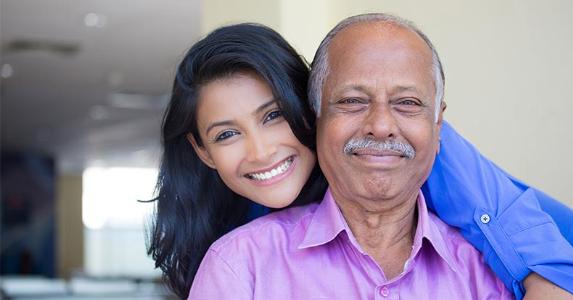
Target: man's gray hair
x=319 y=70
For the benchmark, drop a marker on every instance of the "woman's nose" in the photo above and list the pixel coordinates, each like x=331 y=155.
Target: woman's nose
x=260 y=148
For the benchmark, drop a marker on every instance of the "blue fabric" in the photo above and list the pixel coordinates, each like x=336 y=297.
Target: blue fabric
x=519 y=234
x=257 y=210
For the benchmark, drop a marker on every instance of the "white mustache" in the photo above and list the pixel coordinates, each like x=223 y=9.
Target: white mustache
x=404 y=149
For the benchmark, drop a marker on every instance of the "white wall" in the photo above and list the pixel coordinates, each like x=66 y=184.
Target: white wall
x=225 y=12
x=508 y=72
x=507 y=67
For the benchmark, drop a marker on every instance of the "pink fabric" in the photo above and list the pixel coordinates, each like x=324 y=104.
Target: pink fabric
x=310 y=253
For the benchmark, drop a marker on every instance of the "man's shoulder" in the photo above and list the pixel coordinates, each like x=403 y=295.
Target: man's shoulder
x=467 y=261
x=447 y=231
x=278 y=229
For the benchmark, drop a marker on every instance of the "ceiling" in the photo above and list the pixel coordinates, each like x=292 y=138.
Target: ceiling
x=87 y=81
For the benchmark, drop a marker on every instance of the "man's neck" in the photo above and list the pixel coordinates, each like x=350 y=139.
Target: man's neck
x=386 y=234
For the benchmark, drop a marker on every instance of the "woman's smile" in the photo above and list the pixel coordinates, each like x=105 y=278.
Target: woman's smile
x=273 y=174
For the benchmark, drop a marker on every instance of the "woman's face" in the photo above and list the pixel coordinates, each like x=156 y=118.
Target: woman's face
x=247 y=140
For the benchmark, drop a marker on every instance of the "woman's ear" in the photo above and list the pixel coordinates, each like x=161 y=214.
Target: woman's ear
x=201 y=151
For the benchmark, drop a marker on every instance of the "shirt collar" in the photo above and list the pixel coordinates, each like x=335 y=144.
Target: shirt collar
x=429 y=230
x=327 y=222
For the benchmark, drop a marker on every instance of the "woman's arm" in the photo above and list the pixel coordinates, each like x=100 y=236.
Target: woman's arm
x=538 y=287
x=513 y=225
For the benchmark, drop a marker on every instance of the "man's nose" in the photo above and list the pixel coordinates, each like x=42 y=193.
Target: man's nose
x=260 y=148
x=380 y=122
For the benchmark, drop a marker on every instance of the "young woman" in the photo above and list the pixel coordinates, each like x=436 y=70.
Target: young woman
x=238 y=129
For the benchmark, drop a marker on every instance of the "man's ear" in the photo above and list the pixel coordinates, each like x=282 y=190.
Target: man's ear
x=443 y=107
x=439 y=122
x=201 y=151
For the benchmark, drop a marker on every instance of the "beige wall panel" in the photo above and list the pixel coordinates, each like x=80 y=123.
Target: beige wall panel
x=217 y=13
x=508 y=77
x=304 y=23
x=70 y=228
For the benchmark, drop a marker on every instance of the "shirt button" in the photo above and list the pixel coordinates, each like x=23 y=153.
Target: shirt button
x=485 y=218
x=384 y=291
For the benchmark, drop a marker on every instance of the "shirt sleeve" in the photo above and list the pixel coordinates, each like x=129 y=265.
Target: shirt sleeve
x=215 y=279
x=512 y=224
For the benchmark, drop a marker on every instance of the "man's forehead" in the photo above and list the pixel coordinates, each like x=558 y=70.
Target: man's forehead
x=363 y=86
x=359 y=36
x=367 y=51
x=371 y=53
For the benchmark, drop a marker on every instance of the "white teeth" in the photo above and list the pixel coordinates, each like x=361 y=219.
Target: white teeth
x=272 y=173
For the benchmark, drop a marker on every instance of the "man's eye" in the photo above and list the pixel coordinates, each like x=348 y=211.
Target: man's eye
x=225 y=135
x=350 y=101
x=408 y=102
x=273 y=115
x=409 y=105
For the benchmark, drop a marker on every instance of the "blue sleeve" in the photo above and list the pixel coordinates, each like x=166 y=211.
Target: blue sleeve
x=512 y=224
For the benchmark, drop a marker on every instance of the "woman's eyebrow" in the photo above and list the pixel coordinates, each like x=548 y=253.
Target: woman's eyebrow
x=215 y=124
x=264 y=106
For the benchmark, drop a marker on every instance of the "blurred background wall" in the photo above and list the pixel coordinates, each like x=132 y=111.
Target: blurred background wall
x=84 y=83
x=507 y=66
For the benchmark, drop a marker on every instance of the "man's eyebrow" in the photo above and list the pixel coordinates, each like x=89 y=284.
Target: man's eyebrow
x=405 y=88
x=229 y=122
x=353 y=87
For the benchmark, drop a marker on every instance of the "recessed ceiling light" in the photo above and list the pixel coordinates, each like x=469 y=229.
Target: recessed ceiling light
x=137 y=101
x=95 y=20
x=115 y=79
x=99 y=112
x=7 y=71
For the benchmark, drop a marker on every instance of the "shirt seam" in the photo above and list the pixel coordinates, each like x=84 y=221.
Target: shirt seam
x=228 y=265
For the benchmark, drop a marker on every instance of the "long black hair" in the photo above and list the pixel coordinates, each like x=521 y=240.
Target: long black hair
x=194 y=206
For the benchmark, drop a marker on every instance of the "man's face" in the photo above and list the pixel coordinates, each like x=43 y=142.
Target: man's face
x=379 y=88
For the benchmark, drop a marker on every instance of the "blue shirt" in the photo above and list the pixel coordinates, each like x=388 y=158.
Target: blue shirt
x=511 y=223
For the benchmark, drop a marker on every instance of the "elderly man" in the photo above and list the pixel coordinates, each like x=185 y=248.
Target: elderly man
x=378 y=134
x=377 y=86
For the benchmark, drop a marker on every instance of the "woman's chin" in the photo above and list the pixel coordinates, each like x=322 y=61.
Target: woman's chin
x=275 y=200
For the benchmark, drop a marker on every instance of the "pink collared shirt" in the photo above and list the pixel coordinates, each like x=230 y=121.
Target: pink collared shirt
x=309 y=252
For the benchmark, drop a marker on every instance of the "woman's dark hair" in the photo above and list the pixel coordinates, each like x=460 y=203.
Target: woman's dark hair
x=194 y=206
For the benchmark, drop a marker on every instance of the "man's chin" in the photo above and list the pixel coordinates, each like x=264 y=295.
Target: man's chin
x=387 y=189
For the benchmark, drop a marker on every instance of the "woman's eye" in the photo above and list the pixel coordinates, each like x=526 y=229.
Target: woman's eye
x=273 y=115
x=225 y=135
